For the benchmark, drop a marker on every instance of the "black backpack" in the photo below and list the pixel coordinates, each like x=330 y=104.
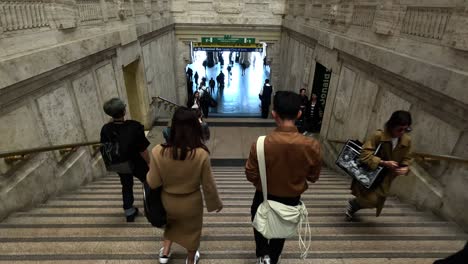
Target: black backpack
x=110 y=150
x=112 y=153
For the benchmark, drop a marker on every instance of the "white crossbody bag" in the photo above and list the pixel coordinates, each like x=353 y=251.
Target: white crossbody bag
x=277 y=220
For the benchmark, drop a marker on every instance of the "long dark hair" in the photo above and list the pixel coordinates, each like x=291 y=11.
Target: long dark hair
x=185 y=136
x=399 y=118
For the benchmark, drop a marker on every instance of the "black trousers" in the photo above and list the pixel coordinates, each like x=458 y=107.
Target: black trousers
x=272 y=247
x=127 y=185
x=457 y=258
x=265 y=110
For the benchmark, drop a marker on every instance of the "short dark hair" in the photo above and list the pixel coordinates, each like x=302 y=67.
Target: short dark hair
x=267 y=81
x=303 y=89
x=287 y=104
x=398 y=118
x=114 y=107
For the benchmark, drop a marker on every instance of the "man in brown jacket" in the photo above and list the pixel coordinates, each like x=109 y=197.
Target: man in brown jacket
x=291 y=160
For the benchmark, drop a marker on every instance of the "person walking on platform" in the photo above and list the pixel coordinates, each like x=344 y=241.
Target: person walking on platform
x=265 y=98
x=244 y=67
x=212 y=85
x=205 y=99
x=394 y=156
x=181 y=166
x=195 y=77
x=304 y=101
x=189 y=73
x=194 y=101
x=291 y=160
x=312 y=115
x=124 y=150
x=220 y=80
x=189 y=87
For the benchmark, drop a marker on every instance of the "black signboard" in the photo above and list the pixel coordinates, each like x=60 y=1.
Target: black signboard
x=320 y=86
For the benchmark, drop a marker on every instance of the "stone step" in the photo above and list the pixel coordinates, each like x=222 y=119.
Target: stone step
x=153 y=259
x=236 y=203
x=145 y=230
x=242 y=257
x=247 y=189
x=234 y=211
x=117 y=218
x=129 y=246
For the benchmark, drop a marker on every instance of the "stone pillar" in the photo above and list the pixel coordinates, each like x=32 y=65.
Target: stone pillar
x=182 y=58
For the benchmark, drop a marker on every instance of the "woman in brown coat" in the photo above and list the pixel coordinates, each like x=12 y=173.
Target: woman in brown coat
x=181 y=166
x=394 y=156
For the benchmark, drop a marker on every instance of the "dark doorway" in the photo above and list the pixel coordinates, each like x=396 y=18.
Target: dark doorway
x=320 y=87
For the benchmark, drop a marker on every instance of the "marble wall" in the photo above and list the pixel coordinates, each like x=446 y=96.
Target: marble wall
x=63 y=111
x=373 y=76
x=229 y=12
x=52 y=89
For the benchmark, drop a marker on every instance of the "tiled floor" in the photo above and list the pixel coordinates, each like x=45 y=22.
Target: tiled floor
x=240 y=96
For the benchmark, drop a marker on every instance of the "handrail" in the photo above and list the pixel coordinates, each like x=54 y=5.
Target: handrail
x=165 y=100
x=48 y=148
x=424 y=156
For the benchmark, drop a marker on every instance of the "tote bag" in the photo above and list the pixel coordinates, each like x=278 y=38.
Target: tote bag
x=277 y=220
x=349 y=162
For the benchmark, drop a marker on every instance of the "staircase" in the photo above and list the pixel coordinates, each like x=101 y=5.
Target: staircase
x=87 y=226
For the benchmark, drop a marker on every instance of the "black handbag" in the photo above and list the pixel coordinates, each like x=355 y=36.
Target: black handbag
x=349 y=162
x=154 y=209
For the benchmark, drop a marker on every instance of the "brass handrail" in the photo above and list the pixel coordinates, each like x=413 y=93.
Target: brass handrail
x=165 y=100
x=424 y=156
x=23 y=152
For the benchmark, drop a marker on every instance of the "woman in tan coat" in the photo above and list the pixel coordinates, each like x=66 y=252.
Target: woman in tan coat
x=181 y=166
x=394 y=156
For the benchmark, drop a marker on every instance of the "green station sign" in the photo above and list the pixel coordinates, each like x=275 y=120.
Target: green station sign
x=227 y=39
x=237 y=47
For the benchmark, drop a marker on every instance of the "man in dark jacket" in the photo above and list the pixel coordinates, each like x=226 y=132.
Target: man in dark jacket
x=265 y=98
x=312 y=115
x=212 y=84
x=195 y=77
x=220 y=80
x=189 y=73
x=132 y=156
x=300 y=123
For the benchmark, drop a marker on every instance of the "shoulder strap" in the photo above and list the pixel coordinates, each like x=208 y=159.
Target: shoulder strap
x=377 y=149
x=261 y=165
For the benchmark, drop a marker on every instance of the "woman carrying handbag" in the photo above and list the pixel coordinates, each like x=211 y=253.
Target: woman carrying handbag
x=394 y=156
x=181 y=166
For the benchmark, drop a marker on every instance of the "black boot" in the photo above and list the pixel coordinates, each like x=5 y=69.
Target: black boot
x=131 y=218
x=351 y=208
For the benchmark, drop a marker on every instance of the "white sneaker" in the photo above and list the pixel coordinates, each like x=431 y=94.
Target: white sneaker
x=164 y=259
x=197 y=258
x=266 y=259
